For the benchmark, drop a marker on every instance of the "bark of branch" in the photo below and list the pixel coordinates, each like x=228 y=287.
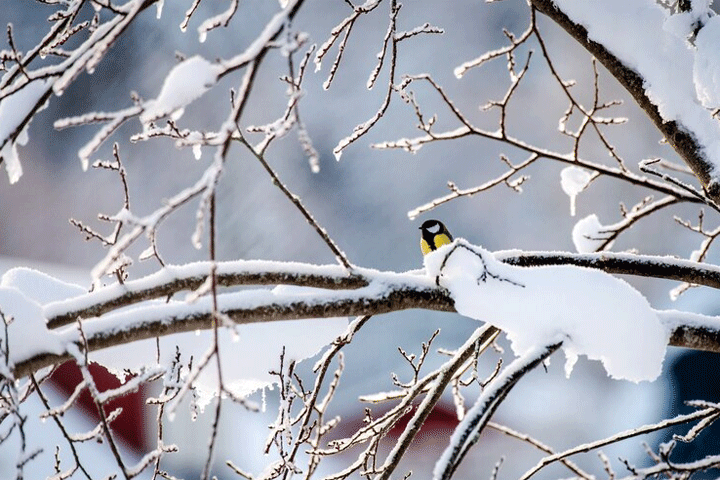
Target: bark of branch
x=682 y=140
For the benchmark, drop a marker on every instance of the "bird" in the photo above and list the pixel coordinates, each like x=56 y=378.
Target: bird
x=434 y=235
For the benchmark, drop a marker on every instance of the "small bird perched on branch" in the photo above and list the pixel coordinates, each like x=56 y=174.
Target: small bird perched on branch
x=434 y=235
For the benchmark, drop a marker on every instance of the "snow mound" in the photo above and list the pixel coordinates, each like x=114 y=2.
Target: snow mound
x=589 y=234
x=186 y=82
x=591 y=312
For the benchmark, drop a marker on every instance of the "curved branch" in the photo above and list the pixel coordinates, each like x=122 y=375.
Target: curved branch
x=467 y=433
x=683 y=141
x=366 y=292
x=655 y=266
x=248 y=306
x=174 y=279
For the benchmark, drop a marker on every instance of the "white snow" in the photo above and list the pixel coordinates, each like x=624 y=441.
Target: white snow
x=27 y=334
x=681 y=79
x=591 y=312
x=588 y=234
x=186 y=82
x=573 y=181
x=13 y=110
x=38 y=286
x=22 y=293
x=706 y=69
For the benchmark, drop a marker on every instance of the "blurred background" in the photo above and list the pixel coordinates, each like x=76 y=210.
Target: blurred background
x=363 y=201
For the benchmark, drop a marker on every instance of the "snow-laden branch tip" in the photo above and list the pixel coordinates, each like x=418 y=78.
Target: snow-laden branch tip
x=16 y=112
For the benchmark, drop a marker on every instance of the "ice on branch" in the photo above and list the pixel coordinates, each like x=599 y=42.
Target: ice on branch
x=574 y=180
x=14 y=108
x=592 y=313
x=186 y=82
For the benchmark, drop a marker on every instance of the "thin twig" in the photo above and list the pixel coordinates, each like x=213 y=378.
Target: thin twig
x=339 y=254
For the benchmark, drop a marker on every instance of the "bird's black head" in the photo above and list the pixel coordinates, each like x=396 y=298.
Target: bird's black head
x=432 y=226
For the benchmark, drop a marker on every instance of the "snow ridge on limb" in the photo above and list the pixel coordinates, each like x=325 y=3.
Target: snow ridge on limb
x=686 y=129
x=593 y=313
x=119 y=314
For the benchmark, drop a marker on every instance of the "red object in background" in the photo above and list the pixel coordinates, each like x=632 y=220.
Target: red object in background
x=129 y=427
x=440 y=423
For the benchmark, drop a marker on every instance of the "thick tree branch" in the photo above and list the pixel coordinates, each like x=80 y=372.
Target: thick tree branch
x=367 y=292
x=653 y=266
x=682 y=140
x=245 y=307
x=172 y=280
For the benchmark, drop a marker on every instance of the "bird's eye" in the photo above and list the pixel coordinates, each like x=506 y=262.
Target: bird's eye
x=435 y=228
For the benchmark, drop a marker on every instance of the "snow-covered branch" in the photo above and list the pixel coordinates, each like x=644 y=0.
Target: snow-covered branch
x=309 y=291
x=174 y=279
x=468 y=432
x=639 y=64
x=383 y=292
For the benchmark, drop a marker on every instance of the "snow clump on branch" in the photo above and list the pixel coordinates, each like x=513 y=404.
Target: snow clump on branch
x=591 y=312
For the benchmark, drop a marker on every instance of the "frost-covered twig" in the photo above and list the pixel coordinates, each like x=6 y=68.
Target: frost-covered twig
x=78 y=464
x=467 y=129
x=80 y=352
x=684 y=470
x=589 y=116
x=509 y=49
x=361 y=129
x=540 y=446
x=515 y=78
x=339 y=254
x=467 y=433
x=678 y=420
x=457 y=192
x=313 y=407
x=642 y=209
x=344 y=26
x=481 y=338
x=215 y=348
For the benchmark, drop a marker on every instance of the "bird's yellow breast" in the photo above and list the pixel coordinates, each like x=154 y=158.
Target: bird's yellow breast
x=441 y=239
x=438 y=241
